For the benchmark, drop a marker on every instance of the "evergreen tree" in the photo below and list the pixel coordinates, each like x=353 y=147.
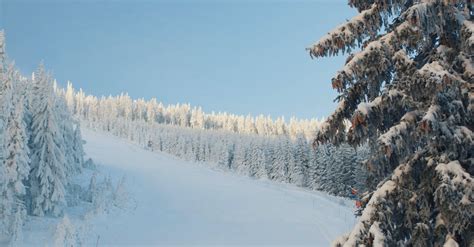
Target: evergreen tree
x=326 y=169
x=48 y=162
x=77 y=146
x=17 y=165
x=342 y=170
x=359 y=170
x=6 y=194
x=279 y=171
x=17 y=222
x=242 y=158
x=313 y=173
x=259 y=161
x=408 y=91
x=66 y=137
x=15 y=162
x=299 y=168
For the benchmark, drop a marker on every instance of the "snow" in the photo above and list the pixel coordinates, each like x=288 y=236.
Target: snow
x=360 y=26
x=432 y=113
x=470 y=27
x=361 y=227
x=454 y=168
x=365 y=108
x=393 y=132
x=174 y=202
x=434 y=69
x=450 y=242
x=379 y=237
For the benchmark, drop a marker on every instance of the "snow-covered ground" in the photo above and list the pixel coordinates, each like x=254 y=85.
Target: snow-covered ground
x=172 y=202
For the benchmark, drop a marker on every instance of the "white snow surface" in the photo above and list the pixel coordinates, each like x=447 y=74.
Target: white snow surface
x=174 y=202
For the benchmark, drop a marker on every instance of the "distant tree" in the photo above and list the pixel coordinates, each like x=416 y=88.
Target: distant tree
x=408 y=92
x=77 y=146
x=299 y=162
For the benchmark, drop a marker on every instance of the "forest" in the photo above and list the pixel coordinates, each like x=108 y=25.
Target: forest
x=397 y=151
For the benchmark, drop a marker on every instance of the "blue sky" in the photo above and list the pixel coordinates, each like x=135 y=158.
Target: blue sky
x=236 y=56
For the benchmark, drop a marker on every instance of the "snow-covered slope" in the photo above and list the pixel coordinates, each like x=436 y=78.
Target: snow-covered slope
x=172 y=202
x=175 y=202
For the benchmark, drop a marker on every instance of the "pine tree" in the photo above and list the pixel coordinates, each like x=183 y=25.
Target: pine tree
x=299 y=167
x=359 y=170
x=344 y=163
x=259 y=161
x=17 y=222
x=77 y=146
x=66 y=233
x=17 y=164
x=66 y=137
x=48 y=171
x=327 y=177
x=279 y=171
x=6 y=195
x=69 y=97
x=313 y=172
x=408 y=91
x=5 y=110
x=242 y=157
x=14 y=165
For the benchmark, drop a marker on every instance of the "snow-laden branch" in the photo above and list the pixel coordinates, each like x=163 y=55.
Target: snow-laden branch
x=394 y=137
x=467 y=38
x=454 y=196
x=344 y=37
x=363 y=225
x=363 y=122
x=327 y=132
x=389 y=5
x=364 y=73
x=369 y=22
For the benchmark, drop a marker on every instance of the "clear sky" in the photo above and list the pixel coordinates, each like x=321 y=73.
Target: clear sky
x=236 y=56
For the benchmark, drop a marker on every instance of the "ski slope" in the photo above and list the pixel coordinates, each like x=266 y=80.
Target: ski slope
x=184 y=203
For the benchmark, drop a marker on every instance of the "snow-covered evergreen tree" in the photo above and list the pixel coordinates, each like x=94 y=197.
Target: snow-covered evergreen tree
x=67 y=137
x=359 y=171
x=5 y=93
x=48 y=161
x=16 y=225
x=279 y=170
x=408 y=91
x=259 y=162
x=66 y=233
x=300 y=164
x=77 y=146
x=16 y=164
x=35 y=134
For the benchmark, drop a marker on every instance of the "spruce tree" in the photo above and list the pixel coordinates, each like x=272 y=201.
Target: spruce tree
x=408 y=92
x=48 y=162
x=6 y=195
x=299 y=167
x=17 y=166
x=78 y=149
x=4 y=107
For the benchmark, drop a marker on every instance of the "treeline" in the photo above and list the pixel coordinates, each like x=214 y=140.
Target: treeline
x=91 y=108
x=40 y=148
x=281 y=156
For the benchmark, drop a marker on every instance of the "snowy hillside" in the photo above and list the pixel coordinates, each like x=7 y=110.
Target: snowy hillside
x=183 y=203
x=174 y=202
